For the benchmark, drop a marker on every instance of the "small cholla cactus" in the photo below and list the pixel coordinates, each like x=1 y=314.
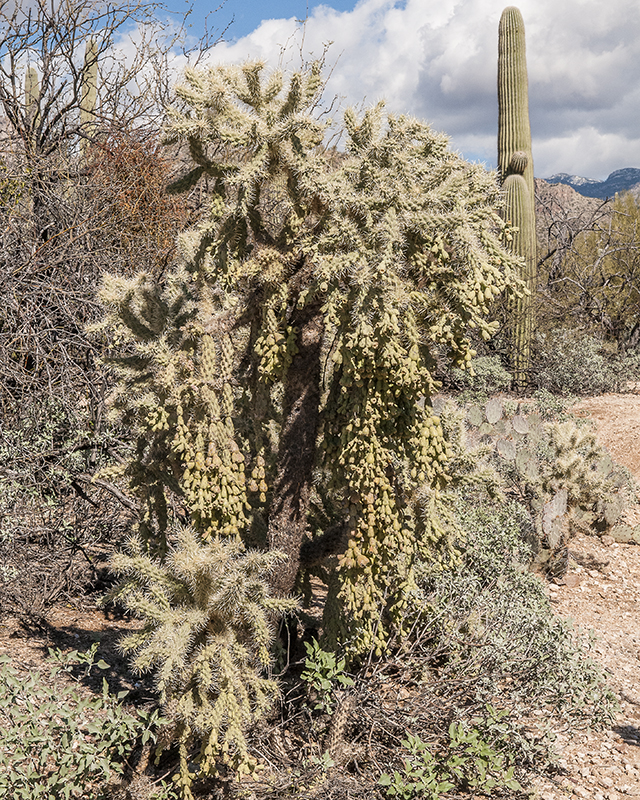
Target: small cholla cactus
x=208 y=625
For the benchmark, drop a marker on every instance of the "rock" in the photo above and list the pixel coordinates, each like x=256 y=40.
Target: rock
x=607 y=540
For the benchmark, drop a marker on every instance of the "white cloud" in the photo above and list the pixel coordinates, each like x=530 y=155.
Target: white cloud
x=437 y=60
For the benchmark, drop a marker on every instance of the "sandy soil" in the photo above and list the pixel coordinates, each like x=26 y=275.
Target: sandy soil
x=617 y=421
x=606 y=600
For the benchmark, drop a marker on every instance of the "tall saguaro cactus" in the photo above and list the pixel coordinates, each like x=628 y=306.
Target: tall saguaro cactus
x=89 y=90
x=515 y=165
x=31 y=97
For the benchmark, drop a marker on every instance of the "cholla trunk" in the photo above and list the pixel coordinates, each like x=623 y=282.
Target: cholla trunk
x=297 y=450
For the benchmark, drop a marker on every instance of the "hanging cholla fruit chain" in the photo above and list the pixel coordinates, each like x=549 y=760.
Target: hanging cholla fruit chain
x=213 y=481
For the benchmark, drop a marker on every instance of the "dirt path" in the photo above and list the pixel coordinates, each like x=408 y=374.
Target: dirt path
x=601 y=593
x=617 y=420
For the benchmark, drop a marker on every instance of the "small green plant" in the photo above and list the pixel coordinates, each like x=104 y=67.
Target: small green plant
x=469 y=762
x=55 y=743
x=473 y=762
x=324 y=761
x=421 y=775
x=323 y=671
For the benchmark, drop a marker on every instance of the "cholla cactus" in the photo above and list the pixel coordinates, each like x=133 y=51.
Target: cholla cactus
x=208 y=616
x=291 y=353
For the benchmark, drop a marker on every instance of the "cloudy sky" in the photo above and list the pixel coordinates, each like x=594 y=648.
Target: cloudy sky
x=436 y=59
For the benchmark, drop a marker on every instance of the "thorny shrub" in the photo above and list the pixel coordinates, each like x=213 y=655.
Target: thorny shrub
x=497 y=627
x=55 y=523
x=487 y=376
x=110 y=212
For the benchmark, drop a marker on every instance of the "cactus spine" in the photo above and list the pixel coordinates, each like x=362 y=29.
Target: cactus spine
x=89 y=89
x=515 y=166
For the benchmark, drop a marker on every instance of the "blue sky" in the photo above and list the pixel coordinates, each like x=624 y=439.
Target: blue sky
x=436 y=60
x=248 y=14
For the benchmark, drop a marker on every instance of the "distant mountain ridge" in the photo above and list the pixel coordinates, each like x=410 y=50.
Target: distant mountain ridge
x=622 y=180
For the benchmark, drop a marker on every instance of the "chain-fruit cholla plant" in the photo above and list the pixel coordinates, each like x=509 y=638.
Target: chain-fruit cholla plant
x=290 y=354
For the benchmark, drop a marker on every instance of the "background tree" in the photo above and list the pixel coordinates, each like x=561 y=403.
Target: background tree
x=562 y=216
x=597 y=285
x=69 y=167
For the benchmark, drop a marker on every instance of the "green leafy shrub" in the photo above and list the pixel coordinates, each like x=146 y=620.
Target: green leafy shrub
x=494 y=619
x=323 y=672
x=422 y=776
x=56 y=744
x=468 y=762
x=486 y=376
x=570 y=363
x=208 y=625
